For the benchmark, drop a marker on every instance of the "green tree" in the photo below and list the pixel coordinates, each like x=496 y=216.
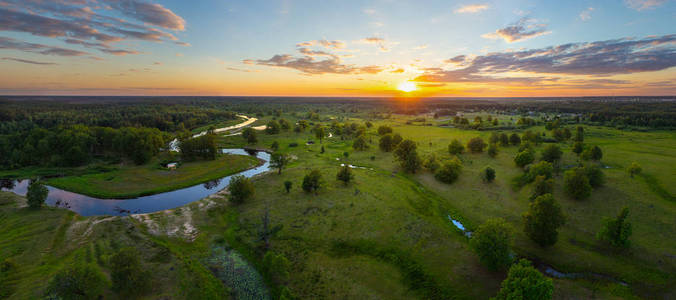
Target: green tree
x=386 y=143
x=384 y=129
x=634 y=169
x=578 y=147
x=579 y=134
x=524 y=158
x=492 y=150
x=576 y=184
x=127 y=273
x=240 y=189
x=595 y=175
x=542 y=186
x=320 y=132
x=593 y=153
x=312 y=182
x=542 y=168
x=543 y=219
x=278 y=161
x=449 y=171
x=78 y=281
x=456 y=147
x=492 y=242
x=432 y=163
x=514 y=139
x=504 y=139
x=284 y=124
x=36 y=194
x=360 y=143
x=287 y=186
x=250 y=135
x=476 y=145
x=273 y=127
x=494 y=138
x=551 y=153
x=277 y=265
x=407 y=155
x=488 y=174
x=616 y=232
x=345 y=174
x=524 y=282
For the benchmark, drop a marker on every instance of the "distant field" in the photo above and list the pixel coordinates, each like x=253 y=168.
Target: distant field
x=134 y=181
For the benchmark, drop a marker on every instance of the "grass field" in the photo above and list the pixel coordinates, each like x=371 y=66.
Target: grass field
x=151 y=178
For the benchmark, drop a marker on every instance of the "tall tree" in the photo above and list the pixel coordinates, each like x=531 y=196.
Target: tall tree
x=407 y=155
x=616 y=231
x=36 y=195
x=524 y=282
x=241 y=189
x=279 y=161
x=492 y=242
x=543 y=219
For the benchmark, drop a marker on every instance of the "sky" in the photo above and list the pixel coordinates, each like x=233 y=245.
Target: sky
x=338 y=48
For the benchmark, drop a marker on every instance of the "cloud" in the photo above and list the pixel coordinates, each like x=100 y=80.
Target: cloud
x=586 y=14
x=150 y=13
x=380 y=42
x=523 y=29
x=471 y=8
x=13 y=44
x=49 y=27
x=324 y=43
x=26 y=61
x=119 y=52
x=421 y=47
x=602 y=58
x=399 y=70
x=640 y=5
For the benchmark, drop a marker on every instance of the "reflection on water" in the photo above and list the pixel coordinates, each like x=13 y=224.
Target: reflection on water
x=90 y=206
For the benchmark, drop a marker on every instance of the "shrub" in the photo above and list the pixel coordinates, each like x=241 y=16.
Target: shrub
x=383 y=130
x=287 y=186
x=241 y=189
x=274 y=146
x=277 y=265
x=593 y=153
x=360 y=143
x=616 y=231
x=432 y=163
x=407 y=155
x=36 y=194
x=595 y=175
x=312 y=181
x=78 y=281
x=250 y=135
x=449 y=171
x=345 y=174
x=514 y=139
x=576 y=184
x=492 y=242
x=543 y=219
x=494 y=138
x=524 y=158
x=525 y=283
x=504 y=139
x=273 y=127
x=551 y=153
x=579 y=134
x=634 y=169
x=456 y=147
x=542 y=168
x=128 y=275
x=542 y=186
x=386 y=143
x=476 y=145
x=488 y=174
x=492 y=150
x=578 y=147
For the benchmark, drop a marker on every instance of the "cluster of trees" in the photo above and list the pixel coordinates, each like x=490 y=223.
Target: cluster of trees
x=202 y=147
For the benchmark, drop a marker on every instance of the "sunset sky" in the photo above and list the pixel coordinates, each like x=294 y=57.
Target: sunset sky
x=338 y=48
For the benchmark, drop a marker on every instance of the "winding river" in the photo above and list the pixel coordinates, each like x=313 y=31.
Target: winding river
x=90 y=206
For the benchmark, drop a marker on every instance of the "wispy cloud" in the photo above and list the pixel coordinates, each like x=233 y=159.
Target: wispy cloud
x=26 y=61
x=323 y=43
x=586 y=14
x=13 y=44
x=523 y=29
x=644 y=4
x=471 y=8
x=381 y=43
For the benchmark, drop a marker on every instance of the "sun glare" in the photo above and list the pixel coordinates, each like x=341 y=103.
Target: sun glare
x=407 y=86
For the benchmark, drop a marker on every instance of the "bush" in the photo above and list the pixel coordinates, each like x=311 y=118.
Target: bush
x=241 y=189
x=407 y=155
x=634 y=169
x=273 y=127
x=312 y=181
x=504 y=139
x=525 y=283
x=250 y=135
x=595 y=175
x=492 y=242
x=383 y=130
x=524 y=158
x=449 y=171
x=616 y=231
x=386 y=143
x=36 y=194
x=551 y=153
x=79 y=281
x=287 y=186
x=128 y=275
x=542 y=186
x=543 y=219
x=493 y=150
x=593 y=153
x=514 y=139
x=345 y=174
x=578 y=147
x=542 y=168
x=476 y=145
x=456 y=147
x=360 y=143
x=576 y=184
x=432 y=163
x=488 y=174
x=277 y=265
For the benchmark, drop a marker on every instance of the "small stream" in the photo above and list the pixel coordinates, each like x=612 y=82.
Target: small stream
x=90 y=206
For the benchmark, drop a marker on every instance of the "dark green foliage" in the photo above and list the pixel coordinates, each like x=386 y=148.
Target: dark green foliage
x=579 y=134
x=593 y=153
x=524 y=282
x=542 y=186
x=78 y=281
x=455 y=147
x=360 y=143
x=240 y=189
x=576 y=183
x=250 y=136
x=616 y=232
x=578 y=147
x=407 y=155
x=275 y=146
x=287 y=186
x=284 y=124
x=542 y=168
x=476 y=145
x=492 y=150
x=531 y=137
x=488 y=174
x=396 y=140
x=449 y=171
x=595 y=175
x=273 y=127
x=551 y=153
x=432 y=163
x=320 y=132
x=36 y=194
x=494 y=138
x=203 y=147
x=514 y=139
x=383 y=130
x=386 y=143
x=312 y=182
x=277 y=265
x=492 y=242
x=543 y=219
x=634 y=169
x=322 y=150
x=524 y=158
x=345 y=174
x=278 y=161
x=504 y=139
x=127 y=273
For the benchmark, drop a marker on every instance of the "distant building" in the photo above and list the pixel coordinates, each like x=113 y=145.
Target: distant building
x=172 y=166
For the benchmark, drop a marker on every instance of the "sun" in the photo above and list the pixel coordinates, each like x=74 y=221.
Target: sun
x=407 y=86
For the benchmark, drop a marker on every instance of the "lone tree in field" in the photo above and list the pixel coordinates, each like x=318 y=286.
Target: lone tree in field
x=616 y=231
x=78 y=281
x=360 y=143
x=542 y=186
x=543 y=219
x=383 y=130
x=492 y=150
x=524 y=158
x=525 y=283
x=312 y=181
x=476 y=145
x=634 y=169
x=456 y=147
x=128 y=275
x=449 y=171
x=552 y=153
x=320 y=132
x=287 y=186
x=278 y=161
x=492 y=242
x=273 y=127
x=579 y=134
x=249 y=134
x=488 y=174
x=578 y=147
x=576 y=184
x=386 y=143
x=241 y=189
x=345 y=174
x=36 y=195
x=407 y=155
